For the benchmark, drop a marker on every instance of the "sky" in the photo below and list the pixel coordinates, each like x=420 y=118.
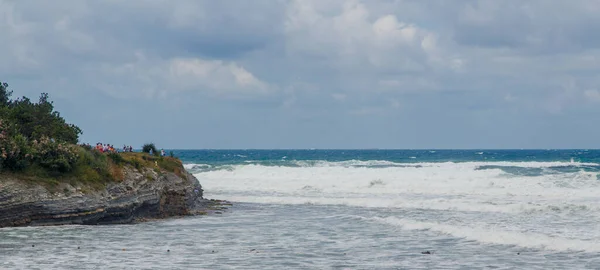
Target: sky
x=401 y=74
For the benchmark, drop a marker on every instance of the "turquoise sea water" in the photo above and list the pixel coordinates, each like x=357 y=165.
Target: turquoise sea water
x=567 y=160
x=354 y=209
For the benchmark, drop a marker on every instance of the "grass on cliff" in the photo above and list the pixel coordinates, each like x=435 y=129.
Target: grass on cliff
x=144 y=160
x=94 y=169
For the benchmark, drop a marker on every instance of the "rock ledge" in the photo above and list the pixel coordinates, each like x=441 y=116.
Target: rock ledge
x=141 y=196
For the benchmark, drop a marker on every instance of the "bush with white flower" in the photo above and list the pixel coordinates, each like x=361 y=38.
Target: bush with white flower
x=55 y=156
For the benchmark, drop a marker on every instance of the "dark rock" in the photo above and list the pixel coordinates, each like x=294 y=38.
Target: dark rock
x=137 y=197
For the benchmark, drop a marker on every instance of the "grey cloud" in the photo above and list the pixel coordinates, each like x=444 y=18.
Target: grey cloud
x=283 y=72
x=534 y=25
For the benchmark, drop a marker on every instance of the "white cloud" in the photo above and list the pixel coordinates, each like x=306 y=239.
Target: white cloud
x=592 y=95
x=390 y=31
x=351 y=35
x=329 y=58
x=345 y=47
x=226 y=78
x=339 y=96
x=152 y=77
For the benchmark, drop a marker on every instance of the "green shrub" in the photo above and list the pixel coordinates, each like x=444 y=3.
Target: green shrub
x=87 y=147
x=169 y=164
x=95 y=168
x=88 y=174
x=136 y=164
x=146 y=148
x=15 y=152
x=55 y=156
x=116 y=158
x=91 y=158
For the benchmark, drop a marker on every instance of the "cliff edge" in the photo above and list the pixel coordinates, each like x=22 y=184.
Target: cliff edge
x=143 y=193
x=48 y=178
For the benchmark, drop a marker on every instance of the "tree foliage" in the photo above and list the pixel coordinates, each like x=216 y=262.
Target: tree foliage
x=150 y=148
x=4 y=94
x=33 y=133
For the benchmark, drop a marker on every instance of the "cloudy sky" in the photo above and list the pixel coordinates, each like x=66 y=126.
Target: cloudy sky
x=312 y=73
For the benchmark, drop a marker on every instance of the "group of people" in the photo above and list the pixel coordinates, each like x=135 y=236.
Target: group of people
x=127 y=148
x=106 y=148
x=109 y=148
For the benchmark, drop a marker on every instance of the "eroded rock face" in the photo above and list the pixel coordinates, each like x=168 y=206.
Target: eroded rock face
x=139 y=196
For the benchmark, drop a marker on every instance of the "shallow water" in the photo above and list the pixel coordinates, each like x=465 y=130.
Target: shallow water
x=362 y=211
x=255 y=236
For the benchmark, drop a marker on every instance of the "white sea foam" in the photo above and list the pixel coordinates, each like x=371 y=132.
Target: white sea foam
x=445 y=186
x=195 y=166
x=470 y=164
x=441 y=179
x=498 y=235
x=462 y=191
x=384 y=163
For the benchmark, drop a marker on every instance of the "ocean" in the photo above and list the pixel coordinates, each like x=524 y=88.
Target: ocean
x=353 y=209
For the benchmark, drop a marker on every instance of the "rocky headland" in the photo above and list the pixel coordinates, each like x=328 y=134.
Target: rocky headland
x=48 y=177
x=143 y=193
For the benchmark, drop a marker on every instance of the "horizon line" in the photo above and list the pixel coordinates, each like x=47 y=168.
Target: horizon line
x=387 y=149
